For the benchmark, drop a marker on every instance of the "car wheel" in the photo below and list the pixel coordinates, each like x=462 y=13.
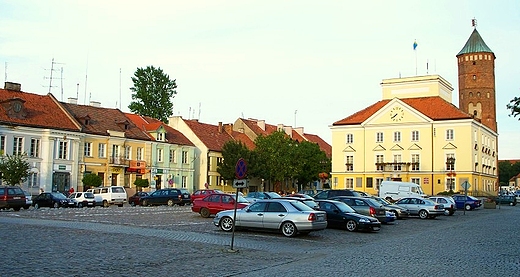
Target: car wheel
x=132 y=204
x=56 y=205
x=423 y=214
x=145 y=203
x=17 y=208
x=289 y=229
x=80 y=205
x=351 y=225
x=452 y=212
x=467 y=207
x=181 y=204
x=26 y=207
x=105 y=204
x=170 y=203
x=226 y=224
x=36 y=206
x=396 y=214
x=204 y=212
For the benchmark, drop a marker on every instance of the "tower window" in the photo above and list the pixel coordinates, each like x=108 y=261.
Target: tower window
x=474 y=77
x=474 y=63
x=475 y=113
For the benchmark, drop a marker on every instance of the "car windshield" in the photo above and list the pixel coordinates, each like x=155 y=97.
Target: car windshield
x=382 y=201
x=300 y=206
x=240 y=199
x=373 y=202
x=184 y=191
x=273 y=194
x=88 y=195
x=59 y=195
x=344 y=208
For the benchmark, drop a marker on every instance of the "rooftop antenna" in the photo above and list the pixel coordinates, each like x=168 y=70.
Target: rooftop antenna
x=86 y=78
x=295 y=111
x=77 y=91
x=61 y=79
x=119 y=89
x=189 y=113
x=5 y=73
x=199 y=109
x=51 y=71
x=474 y=23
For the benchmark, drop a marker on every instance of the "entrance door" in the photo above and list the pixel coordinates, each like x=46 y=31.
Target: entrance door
x=61 y=181
x=114 y=179
x=158 y=182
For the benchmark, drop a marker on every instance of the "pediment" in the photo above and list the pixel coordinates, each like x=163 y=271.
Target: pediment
x=379 y=147
x=349 y=149
x=397 y=147
x=414 y=147
x=449 y=146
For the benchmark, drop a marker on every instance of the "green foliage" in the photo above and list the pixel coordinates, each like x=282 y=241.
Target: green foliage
x=142 y=183
x=232 y=151
x=507 y=170
x=448 y=193
x=14 y=169
x=514 y=106
x=153 y=92
x=91 y=180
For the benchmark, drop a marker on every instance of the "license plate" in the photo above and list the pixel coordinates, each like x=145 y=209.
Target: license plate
x=376 y=228
x=16 y=197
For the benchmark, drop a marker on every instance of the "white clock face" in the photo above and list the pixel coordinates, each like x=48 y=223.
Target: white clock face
x=396 y=114
x=17 y=107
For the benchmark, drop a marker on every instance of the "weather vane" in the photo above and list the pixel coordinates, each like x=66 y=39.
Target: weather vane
x=474 y=23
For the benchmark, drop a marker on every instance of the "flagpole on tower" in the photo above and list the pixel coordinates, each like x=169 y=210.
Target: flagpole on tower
x=415 y=50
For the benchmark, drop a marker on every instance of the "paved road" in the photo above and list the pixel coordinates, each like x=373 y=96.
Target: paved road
x=160 y=241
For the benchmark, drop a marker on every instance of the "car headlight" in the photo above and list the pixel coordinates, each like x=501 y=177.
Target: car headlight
x=364 y=220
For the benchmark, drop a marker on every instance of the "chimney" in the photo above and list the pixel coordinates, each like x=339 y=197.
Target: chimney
x=228 y=128
x=12 y=86
x=95 y=103
x=220 y=127
x=72 y=100
x=261 y=124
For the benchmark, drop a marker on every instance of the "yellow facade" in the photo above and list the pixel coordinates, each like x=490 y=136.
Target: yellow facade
x=398 y=142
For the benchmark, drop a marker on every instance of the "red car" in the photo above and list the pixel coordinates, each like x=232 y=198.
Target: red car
x=134 y=199
x=201 y=193
x=214 y=203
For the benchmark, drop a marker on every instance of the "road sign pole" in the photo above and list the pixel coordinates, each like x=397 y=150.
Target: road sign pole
x=234 y=220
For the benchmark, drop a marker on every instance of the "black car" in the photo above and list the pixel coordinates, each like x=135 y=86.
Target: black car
x=341 y=215
x=367 y=206
x=11 y=197
x=169 y=196
x=326 y=194
x=52 y=200
x=136 y=198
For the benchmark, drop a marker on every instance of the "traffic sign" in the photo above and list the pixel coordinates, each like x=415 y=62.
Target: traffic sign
x=240 y=184
x=465 y=185
x=241 y=169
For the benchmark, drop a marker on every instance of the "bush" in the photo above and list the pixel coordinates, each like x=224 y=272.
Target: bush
x=141 y=183
x=91 y=180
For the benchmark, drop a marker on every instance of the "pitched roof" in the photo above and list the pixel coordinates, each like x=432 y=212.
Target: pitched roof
x=238 y=136
x=39 y=111
x=474 y=44
x=149 y=124
x=212 y=136
x=99 y=120
x=433 y=107
x=324 y=146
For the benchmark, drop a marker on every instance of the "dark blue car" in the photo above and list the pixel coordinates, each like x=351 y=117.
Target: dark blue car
x=341 y=215
x=467 y=202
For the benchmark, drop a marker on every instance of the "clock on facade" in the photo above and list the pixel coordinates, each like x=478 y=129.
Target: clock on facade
x=17 y=106
x=396 y=114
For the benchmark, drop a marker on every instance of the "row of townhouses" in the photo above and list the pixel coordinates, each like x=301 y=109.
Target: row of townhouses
x=64 y=141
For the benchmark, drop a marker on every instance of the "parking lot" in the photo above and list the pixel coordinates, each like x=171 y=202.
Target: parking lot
x=158 y=240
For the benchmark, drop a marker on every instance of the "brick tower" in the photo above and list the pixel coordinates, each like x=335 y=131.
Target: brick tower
x=476 y=64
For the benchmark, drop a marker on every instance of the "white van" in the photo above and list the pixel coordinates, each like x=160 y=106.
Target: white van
x=113 y=195
x=394 y=190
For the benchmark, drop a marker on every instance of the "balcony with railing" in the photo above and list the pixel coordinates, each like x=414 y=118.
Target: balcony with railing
x=118 y=161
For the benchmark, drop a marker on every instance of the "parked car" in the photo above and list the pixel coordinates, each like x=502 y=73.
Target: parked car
x=168 y=196
x=201 y=193
x=466 y=202
x=12 y=197
x=28 y=199
x=367 y=206
x=112 y=195
x=506 y=199
x=447 y=201
x=309 y=192
x=398 y=211
x=300 y=195
x=260 y=195
x=52 y=200
x=136 y=198
x=290 y=217
x=422 y=207
x=341 y=215
x=217 y=202
x=327 y=194
x=307 y=201
x=83 y=199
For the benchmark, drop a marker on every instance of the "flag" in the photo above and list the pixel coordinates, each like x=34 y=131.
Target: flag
x=414 y=45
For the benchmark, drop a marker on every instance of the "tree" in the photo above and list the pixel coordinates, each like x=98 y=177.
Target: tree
x=91 y=180
x=507 y=170
x=141 y=183
x=232 y=151
x=514 y=106
x=273 y=159
x=14 y=169
x=153 y=92
x=310 y=162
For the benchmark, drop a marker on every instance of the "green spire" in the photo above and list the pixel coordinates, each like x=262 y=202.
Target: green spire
x=474 y=44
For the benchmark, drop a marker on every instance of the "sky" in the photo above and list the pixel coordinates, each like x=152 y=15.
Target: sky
x=298 y=63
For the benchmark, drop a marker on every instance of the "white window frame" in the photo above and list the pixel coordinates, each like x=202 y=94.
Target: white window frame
x=380 y=137
x=415 y=135
x=450 y=134
x=397 y=136
x=160 y=153
x=349 y=183
x=172 y=156
x=102 y=150
x=416 y=158
x=87 y=149
x=34 y=151
x=184 y=157
x=349 y=138
x=139 y=153
x=63 y=150
x=17 y=146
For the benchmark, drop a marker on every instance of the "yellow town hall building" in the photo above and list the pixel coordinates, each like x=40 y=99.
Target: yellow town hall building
x=416 y=134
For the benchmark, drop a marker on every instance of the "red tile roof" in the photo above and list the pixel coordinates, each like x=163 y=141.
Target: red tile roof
x=209 y=134
x=324 y=146
x=244 y=139
x=435 y=107
x=100 y=120
x=41 y=111
x=149 y=124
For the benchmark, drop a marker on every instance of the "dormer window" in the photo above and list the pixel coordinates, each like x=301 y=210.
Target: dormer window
x=160 y=136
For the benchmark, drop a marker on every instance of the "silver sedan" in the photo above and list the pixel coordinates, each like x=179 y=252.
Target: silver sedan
x=422 y=207
x=290 y=217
